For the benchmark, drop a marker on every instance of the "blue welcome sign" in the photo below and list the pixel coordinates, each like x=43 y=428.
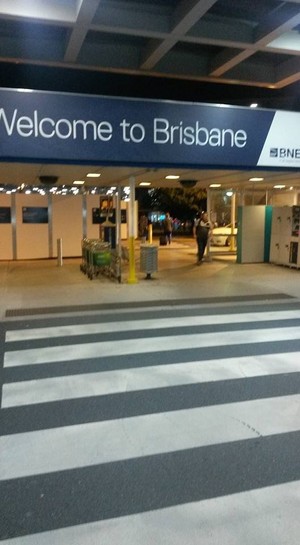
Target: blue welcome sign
x=59 y=127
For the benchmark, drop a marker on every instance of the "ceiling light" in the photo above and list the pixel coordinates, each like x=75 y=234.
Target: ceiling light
x=291 y=188
x=145 y=183
x=93 y=175
x=78 y=182
x=279 y=186
x=229 y=193
x=253 y=105
x=256 y=179
x=215 y=185
x=172 y=177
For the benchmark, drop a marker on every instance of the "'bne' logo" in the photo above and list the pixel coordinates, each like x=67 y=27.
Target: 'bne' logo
x=285 y=153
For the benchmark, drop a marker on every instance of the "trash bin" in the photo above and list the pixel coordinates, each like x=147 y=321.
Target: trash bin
x=148 y=259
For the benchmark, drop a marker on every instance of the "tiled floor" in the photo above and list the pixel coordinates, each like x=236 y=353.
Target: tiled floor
x=43 y=284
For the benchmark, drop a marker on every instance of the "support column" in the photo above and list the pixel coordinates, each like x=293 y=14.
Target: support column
x=118 y=221
x=14 y=225
x=132 y=276
x=233 y=203
x=208 y=209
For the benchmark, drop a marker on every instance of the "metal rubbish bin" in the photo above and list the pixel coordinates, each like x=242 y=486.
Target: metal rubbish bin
x=148 y=259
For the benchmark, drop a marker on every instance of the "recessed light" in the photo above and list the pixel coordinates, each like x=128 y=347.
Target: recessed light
x=172 y=177
x=78 y=182
x=215 y=185
x=256 y=179
x=279 y=186
x=145 y=183
x=93 y=175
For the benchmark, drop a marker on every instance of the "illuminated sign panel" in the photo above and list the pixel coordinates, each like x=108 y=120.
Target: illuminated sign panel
x=44 y=126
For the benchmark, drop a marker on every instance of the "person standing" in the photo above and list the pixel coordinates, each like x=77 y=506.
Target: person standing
x=202 y=230
x=144 y=227
x=168 y=227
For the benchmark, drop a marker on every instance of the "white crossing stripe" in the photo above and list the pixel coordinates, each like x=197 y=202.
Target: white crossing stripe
x=144 y=345
x=45 y=451
x=158 y=376
x=266 y=516
x=148 y=324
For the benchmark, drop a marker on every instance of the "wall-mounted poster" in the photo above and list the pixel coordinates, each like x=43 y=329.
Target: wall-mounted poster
x=103 y=214
x=5 y=214
x=34 y=214
x=123 y=216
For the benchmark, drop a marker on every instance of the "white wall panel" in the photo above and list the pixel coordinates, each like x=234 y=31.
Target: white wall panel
x=67 y=224
x=32 y=239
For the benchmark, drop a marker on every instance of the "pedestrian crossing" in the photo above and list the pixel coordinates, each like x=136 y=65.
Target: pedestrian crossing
x=164 y=425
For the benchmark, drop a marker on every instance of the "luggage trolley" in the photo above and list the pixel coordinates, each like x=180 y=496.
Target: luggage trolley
x=85 y=244
x=98 y=258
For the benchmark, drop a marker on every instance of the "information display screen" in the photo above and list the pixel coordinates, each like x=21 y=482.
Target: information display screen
x=34 y=214
x=5 y=214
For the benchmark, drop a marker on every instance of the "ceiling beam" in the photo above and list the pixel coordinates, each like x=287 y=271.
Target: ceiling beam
x=263 y=35
x=85 y=15
x=288 y=72
x=186 y=15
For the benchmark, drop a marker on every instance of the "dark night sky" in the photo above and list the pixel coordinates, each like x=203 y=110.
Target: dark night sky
x=105 y=83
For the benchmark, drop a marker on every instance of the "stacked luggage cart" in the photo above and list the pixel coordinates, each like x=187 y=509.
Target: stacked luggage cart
x=99 y=258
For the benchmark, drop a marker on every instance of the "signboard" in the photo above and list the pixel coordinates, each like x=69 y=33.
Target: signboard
x=43 y=126
x=34 y=214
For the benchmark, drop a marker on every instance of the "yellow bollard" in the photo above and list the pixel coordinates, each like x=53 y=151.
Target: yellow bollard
x=132 y=276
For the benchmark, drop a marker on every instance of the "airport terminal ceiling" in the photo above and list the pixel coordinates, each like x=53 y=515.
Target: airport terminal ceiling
x=25 y=176
x=234 y=51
